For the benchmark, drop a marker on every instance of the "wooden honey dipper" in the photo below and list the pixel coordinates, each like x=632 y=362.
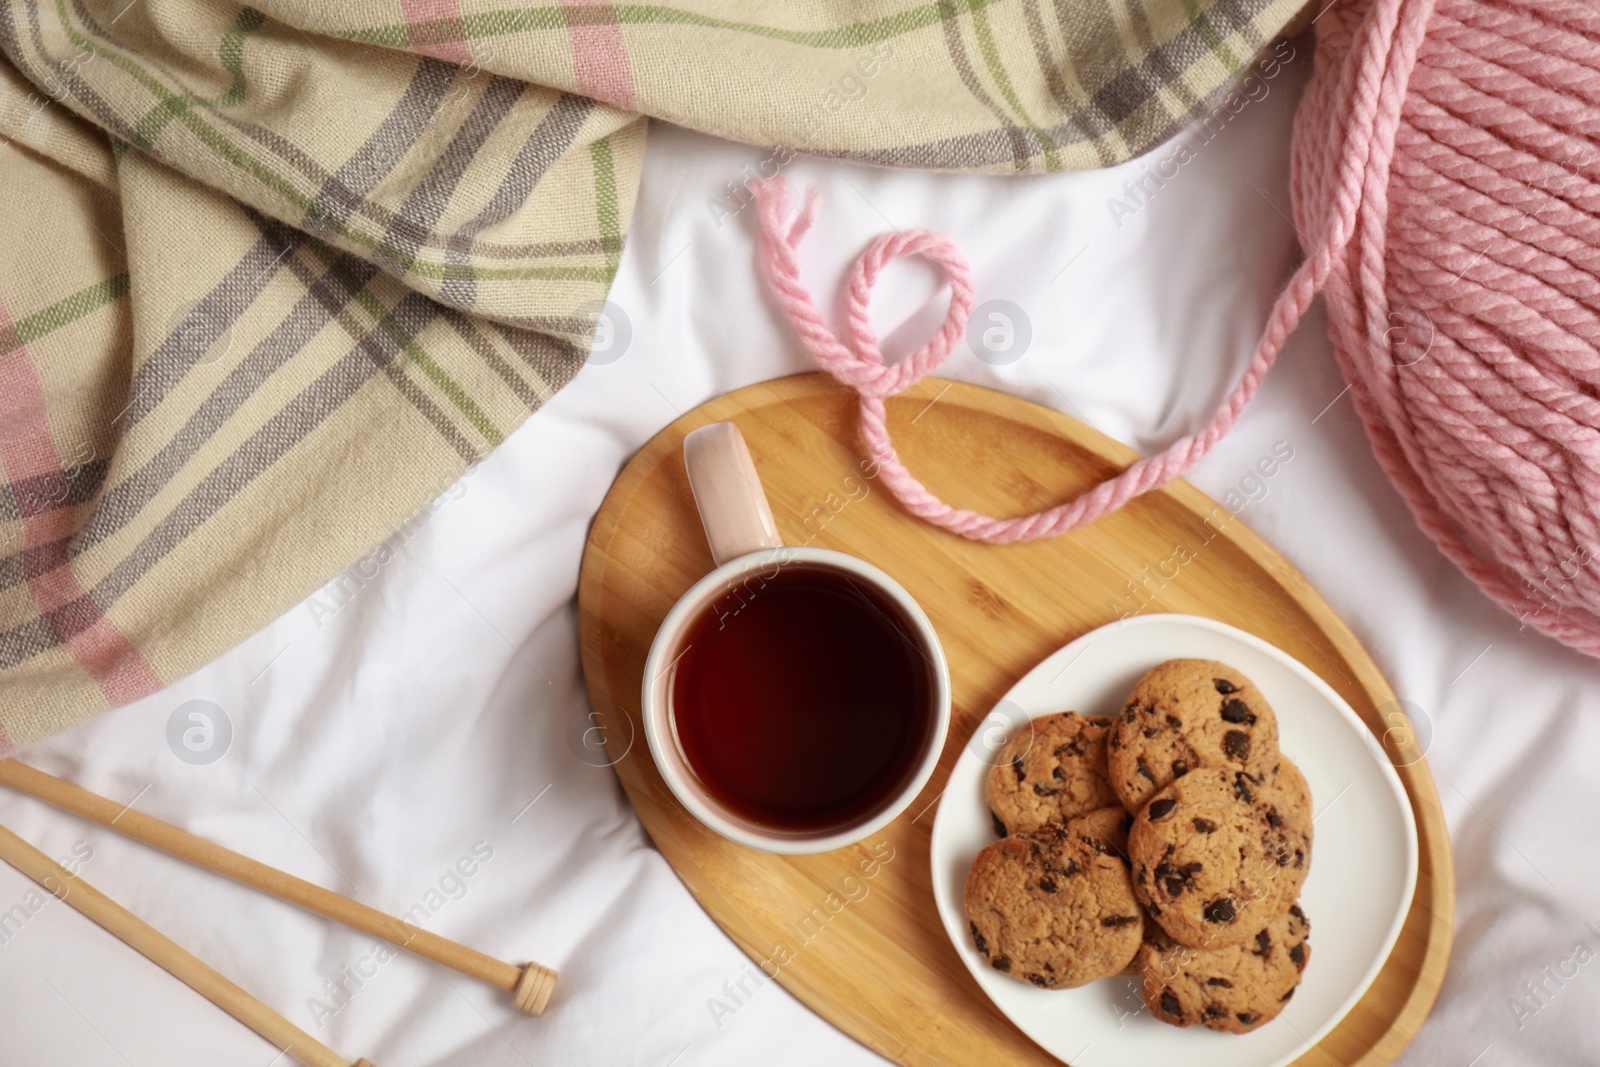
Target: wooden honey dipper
x=529 y=985
x=168 y=954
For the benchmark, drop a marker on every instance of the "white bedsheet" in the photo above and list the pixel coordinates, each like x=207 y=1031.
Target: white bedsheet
x=382 y=733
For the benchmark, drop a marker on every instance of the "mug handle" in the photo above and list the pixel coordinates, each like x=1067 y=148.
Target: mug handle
x=727 y=492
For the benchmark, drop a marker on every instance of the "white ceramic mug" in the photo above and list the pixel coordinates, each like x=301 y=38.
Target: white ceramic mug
x=746 y=547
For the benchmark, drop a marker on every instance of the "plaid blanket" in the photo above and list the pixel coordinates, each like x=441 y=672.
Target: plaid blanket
x=273 y=277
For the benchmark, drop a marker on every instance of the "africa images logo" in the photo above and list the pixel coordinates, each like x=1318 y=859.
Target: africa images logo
x=199 y=732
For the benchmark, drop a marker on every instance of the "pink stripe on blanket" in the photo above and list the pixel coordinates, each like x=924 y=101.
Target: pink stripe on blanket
x=436 y=30
x=27 y=450
x=599 y=54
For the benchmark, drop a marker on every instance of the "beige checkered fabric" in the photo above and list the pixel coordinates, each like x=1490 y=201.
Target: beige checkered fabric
x=272 y=277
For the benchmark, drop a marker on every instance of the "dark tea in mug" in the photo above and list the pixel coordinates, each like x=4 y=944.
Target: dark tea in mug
x=803 y=700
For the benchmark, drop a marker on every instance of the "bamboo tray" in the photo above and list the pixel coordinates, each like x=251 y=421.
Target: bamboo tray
x=867 y=951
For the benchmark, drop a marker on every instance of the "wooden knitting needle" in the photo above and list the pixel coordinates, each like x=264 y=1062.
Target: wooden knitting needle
x=529 y=986
x=166 y=953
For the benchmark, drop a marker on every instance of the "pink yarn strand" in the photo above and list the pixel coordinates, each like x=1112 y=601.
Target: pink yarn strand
x=860 y=363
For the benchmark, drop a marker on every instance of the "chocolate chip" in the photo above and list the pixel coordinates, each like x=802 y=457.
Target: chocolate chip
x=1237 y=711
x=1039 y=980
x=1016 y=765
x=1220 y=911
x=1114 y=741
x=1297 y=955
x=1176 y=879
x=1153 y=909
x=1169 y=1003
x=1129 y=713
x=977 y=939
x=1059 y=775
x=1180 y=768
x=1116 y=921
x=1048 y=885
x=1223 y=982
x=1144 y=768
x=1241 y=788
x=1274 y=818
x=1224 y=686
x=1070 y=869
x=1045 y=790
x=1001 y=963
x=1194 y=868
x=1151 y=731
x=1205 y=826
x=1174 y=722
x=1236 y=743
x=1160 y=808
x=1286 y=996
x=1245 y=1017
x=1263 y=944
x=1215 y=1011
x=999 y=827
x=1299 y=859
x=1294 y=909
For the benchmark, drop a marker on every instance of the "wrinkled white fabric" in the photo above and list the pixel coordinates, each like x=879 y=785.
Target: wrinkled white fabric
x=421 y=713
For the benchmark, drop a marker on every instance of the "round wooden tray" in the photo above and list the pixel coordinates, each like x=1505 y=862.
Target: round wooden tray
x=853 y=933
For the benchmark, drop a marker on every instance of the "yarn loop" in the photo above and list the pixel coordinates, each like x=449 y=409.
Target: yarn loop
x=860 y=365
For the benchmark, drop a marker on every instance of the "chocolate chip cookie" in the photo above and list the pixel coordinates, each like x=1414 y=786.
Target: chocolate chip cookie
x=1053 y=908
x=1051 y=771
x=1184 y=714
x=1233 y=989
x=1216 y=855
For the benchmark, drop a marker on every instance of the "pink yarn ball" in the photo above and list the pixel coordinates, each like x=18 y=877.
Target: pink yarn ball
x=1463 y=307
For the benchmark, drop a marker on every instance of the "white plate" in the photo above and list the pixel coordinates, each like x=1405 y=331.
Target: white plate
x=1364 y=853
